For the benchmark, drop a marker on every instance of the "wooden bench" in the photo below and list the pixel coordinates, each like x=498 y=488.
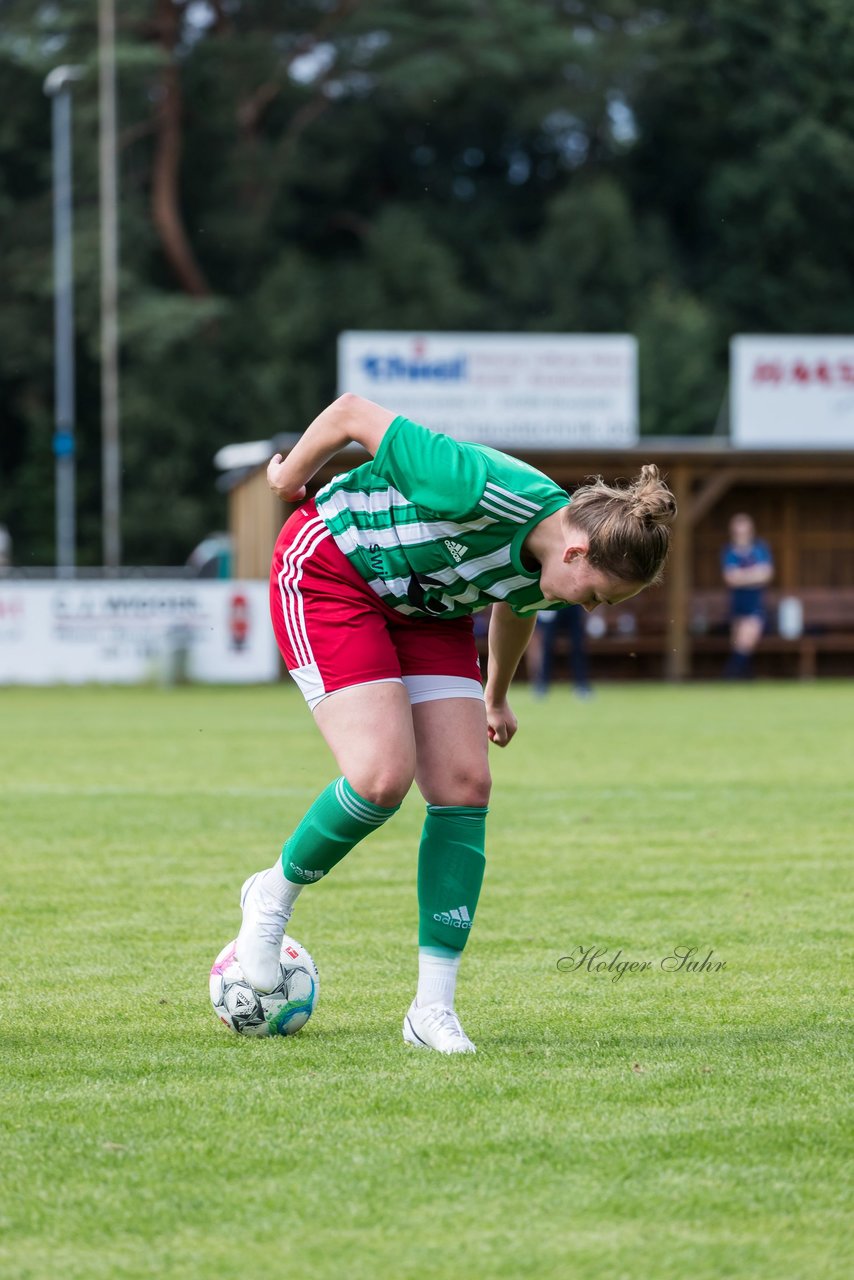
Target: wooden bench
x=828 y=628
x=635 y=641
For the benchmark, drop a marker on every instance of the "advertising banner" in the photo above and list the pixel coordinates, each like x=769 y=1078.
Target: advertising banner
x=126 y=632
x=510 y=390
x=792 y=392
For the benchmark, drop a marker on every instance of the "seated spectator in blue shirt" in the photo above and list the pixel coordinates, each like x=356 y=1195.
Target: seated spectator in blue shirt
x=747 y=566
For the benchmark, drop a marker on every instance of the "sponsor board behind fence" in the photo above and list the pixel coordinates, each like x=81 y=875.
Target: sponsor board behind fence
x=559 y=391
x=122 y=632
x=792 y=392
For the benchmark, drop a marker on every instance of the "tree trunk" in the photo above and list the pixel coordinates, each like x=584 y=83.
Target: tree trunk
x=165 y=198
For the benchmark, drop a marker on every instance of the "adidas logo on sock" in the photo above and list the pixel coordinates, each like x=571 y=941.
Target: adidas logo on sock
x=456 y=549
x=307 y=876
x=458 y=918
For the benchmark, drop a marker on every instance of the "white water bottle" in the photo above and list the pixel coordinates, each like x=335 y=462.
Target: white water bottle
x=790 y=618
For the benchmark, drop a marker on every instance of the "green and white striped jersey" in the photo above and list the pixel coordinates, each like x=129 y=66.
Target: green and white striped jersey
x=436 y=527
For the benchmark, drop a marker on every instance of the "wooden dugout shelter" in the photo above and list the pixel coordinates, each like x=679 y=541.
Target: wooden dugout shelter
x=803 y=505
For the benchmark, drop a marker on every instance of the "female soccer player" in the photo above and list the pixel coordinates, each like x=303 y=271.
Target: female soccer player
x=372 y=589
x=747 y=566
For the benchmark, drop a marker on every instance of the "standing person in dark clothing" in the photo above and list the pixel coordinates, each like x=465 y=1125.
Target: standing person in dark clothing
x=747 y=566
x=568 y=622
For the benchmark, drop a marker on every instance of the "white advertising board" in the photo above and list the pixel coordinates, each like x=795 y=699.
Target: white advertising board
x=126 y=632
x=557 y=391
x=792 y=392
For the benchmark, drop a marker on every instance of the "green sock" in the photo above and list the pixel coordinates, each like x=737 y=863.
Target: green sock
x=338 y=820
x=451 y=862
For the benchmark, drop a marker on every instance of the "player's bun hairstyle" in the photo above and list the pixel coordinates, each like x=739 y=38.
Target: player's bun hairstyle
x=628 y=525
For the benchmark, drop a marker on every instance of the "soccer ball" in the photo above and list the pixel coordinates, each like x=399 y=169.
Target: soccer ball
x=283 y=1011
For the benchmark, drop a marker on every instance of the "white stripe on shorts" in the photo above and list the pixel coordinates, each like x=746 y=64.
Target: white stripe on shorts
x=310 y=683
x=432 y=688
x=293 y=612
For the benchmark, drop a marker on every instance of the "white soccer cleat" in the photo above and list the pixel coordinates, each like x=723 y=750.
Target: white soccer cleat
x=433 y=1027
x=259 y=942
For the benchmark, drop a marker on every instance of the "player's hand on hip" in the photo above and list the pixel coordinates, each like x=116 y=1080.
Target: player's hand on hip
x=501 y=722
x=282 y=483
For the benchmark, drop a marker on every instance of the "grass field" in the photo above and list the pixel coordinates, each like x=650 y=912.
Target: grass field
x=660 y=1126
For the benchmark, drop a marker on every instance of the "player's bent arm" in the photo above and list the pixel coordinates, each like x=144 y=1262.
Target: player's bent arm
x=756 y=575
x=761 y=574
x=508 y=639
x=349 y=418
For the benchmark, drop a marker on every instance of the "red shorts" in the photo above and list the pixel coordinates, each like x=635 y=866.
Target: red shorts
x=334 y=631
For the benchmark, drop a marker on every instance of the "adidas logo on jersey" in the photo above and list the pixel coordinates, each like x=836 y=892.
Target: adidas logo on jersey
x=456 y=549
x=457 y=918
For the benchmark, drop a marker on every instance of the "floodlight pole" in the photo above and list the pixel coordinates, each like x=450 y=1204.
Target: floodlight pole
x=110 y=442
x=57 y=86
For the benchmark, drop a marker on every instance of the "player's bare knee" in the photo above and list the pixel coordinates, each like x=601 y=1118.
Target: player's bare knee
x=468 y=787
x=386 y=786
x=476 y=792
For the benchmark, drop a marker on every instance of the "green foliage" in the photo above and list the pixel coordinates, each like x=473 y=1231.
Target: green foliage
x=680 y=387
x=680 y=171
x=745 y=144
